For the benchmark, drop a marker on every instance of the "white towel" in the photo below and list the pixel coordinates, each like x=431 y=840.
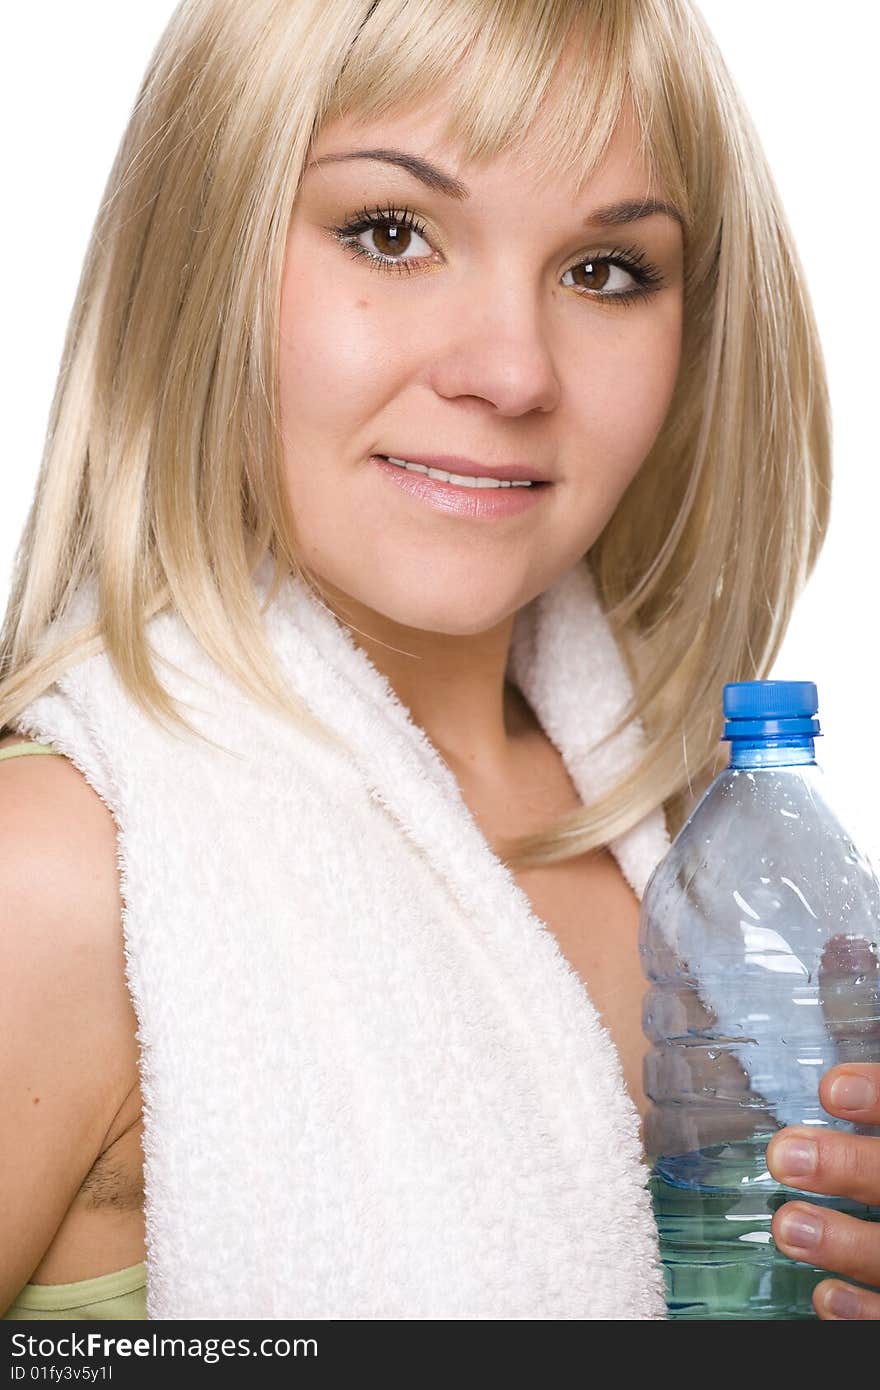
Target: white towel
x=373 y=1085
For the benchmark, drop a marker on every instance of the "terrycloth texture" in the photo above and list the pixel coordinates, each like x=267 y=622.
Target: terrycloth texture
x=374 y=1087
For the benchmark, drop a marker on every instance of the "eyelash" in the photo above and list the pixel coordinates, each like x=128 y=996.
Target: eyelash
x=628 y=258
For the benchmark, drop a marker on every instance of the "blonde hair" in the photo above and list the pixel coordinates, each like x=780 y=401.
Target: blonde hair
x=162 y=480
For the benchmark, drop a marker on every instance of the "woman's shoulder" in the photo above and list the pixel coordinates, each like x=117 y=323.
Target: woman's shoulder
x=52 y=820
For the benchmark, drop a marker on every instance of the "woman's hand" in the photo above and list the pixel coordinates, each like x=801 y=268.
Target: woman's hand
x=838 y=1165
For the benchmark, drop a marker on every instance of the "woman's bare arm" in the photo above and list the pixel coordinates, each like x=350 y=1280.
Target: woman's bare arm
x=63 y=1000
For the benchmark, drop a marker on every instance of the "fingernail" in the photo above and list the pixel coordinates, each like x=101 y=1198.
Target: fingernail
x=796 y=1156
x=853 y=1093
x=801 y=1230
x=844 y=1303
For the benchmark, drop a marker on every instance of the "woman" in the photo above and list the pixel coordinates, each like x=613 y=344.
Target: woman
x=366 y=994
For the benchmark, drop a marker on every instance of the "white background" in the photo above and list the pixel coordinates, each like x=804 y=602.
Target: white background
x=809 y=78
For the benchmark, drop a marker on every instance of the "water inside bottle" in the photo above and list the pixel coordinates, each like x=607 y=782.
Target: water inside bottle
x=713 y=1209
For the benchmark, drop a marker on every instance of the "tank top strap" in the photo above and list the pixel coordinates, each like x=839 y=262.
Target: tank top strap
x=20 y=750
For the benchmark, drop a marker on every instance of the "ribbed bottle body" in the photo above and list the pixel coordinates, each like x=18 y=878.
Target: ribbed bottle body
x=760 y=940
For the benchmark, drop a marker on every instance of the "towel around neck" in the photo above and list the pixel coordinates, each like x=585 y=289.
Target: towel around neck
x=373 y=1086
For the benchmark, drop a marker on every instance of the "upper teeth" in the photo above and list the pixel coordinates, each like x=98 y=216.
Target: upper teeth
x=458 y=478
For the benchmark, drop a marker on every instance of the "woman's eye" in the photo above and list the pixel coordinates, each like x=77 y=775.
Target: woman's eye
x=392 y=240
x=392 y=233
x=596 y=275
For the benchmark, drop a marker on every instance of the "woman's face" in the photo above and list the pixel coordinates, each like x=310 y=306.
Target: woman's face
x=490 y=333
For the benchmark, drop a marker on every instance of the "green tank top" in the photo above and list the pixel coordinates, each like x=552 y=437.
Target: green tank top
x=120 y=1294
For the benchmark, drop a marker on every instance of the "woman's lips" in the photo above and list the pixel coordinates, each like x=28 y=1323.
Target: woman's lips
x=456 y=500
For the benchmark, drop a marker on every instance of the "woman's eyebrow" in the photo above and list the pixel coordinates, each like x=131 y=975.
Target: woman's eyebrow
x=614 y=215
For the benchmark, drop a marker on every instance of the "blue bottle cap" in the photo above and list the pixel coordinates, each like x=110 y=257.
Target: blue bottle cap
x=771 y=709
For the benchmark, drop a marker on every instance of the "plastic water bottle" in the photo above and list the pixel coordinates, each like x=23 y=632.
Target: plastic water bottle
x=760 y=940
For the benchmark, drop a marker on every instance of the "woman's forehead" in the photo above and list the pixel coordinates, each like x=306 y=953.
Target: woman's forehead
x=427 y=129
x=418 y=141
